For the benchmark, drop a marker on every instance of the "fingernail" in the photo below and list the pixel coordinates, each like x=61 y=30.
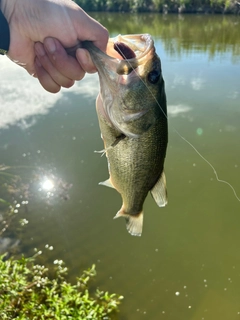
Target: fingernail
x=40 y=50
x=50 y=45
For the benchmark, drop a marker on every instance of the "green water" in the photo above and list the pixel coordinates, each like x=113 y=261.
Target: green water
x=186 y=265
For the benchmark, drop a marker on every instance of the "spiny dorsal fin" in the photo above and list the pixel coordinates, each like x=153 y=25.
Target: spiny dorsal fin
x=134 y=223
x=159 y=191
x=107 y=183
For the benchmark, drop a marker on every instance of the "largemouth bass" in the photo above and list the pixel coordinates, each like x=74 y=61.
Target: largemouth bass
x=132 y=113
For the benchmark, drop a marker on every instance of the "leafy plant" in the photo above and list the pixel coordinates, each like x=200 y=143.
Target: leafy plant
x=27 y=291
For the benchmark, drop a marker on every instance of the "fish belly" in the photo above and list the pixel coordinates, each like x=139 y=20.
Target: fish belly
x=135 y=164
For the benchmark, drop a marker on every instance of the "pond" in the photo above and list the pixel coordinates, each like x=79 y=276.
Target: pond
x=186 y=264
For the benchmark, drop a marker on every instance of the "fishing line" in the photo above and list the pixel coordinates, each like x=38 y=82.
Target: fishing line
x=184 y=139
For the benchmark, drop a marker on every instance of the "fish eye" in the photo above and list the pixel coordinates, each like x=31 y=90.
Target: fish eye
x=153 y=76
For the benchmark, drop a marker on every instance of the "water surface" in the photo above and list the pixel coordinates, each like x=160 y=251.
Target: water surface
x=186 y=265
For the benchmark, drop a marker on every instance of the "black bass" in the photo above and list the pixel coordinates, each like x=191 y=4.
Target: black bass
x=132 y=114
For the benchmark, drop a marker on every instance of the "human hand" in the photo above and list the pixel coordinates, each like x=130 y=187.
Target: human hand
x=39 y=33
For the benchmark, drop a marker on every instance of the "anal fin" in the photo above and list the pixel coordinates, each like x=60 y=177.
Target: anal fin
x=134 y=223
x=159 y=191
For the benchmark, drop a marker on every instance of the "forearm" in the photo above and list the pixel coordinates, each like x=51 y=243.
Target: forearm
x=4 y=33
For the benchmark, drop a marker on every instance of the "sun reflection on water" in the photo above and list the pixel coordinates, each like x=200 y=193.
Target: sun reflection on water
x=47 y=184
x=51 y=186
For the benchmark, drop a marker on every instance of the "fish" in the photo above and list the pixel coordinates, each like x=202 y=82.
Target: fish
x=132 y=114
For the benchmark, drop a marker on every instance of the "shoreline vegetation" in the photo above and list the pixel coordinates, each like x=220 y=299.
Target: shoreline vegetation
x=39 y=287
x=163 y=6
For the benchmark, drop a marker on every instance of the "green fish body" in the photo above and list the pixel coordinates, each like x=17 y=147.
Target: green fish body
x=132 y=115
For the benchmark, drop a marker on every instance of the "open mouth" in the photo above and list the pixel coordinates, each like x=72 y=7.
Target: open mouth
x=127 y=57
x=124 y=51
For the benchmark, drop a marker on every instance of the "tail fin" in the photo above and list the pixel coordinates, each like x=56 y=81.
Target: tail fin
x=134 y=223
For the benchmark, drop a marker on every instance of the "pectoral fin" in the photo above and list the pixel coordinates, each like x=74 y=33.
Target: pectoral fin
x=107 y=183
x=159 y=191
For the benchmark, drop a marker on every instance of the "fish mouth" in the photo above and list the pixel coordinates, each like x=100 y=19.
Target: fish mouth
x=132 y=46
x=124 y=53
x=133 y=51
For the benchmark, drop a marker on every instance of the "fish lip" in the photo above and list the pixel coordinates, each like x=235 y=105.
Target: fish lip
x=141 y=44
x=141 y=49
